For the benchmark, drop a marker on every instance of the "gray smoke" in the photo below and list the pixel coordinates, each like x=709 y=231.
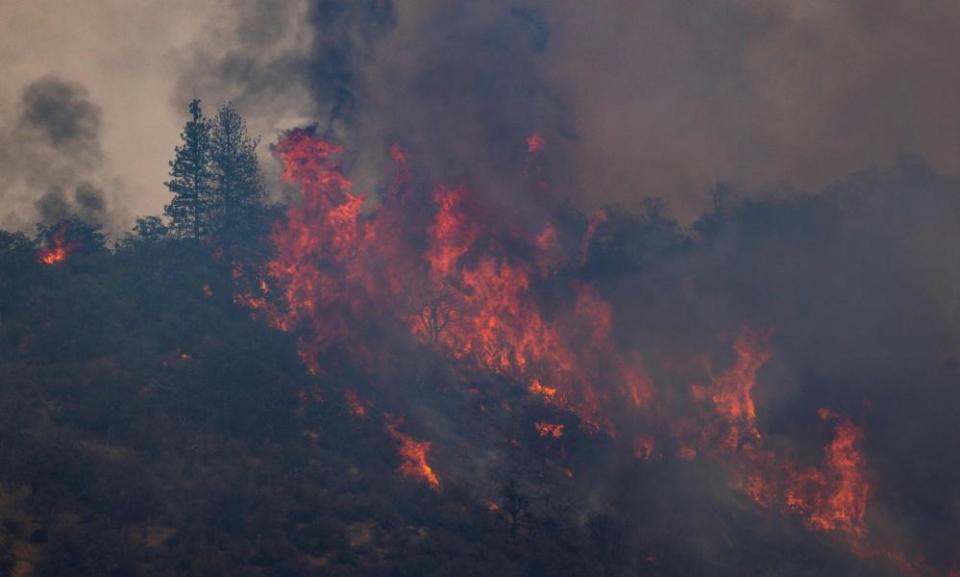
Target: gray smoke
x=53 y=165
x=634 y=98
x=63 y=115
x=665 y=98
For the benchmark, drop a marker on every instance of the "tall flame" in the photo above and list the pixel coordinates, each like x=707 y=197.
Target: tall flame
x=440 y=274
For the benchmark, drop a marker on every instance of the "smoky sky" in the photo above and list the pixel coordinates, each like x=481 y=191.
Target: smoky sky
x=636 y=99
x=53 y=157
x=119 y=58
x=62 y=114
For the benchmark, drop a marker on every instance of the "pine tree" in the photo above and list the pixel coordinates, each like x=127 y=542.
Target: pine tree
x=238 y=188
x=190 y=180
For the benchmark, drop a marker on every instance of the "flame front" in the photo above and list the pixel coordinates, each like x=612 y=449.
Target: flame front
x=442 y=275
x=832 y=497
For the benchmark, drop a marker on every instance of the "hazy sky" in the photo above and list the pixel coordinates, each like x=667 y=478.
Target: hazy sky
x=125 y=53
x=658 y=97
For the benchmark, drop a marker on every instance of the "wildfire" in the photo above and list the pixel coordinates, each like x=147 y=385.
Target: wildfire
x=357 y=407
x=535 y=143
x=315 y=250
x=58 y=249
x=832 y=497
x=843 y=499
x=440 y=273
x=546 y=429
x=536 y=388
x=732 y=392
x=452 y=232
x=334 y=264
x=644 y=447
x=413 y=454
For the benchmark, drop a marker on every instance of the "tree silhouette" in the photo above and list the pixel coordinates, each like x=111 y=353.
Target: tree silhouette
x=191 y=178
x=150 y=229
x=237 y=186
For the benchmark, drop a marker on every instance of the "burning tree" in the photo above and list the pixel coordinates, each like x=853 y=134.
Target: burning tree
x=67 y=237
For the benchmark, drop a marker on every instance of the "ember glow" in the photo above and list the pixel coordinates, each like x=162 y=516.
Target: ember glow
x=58 y=248
x=357 y=407
x=413 y=454
x=545 y=429
x=534 y=143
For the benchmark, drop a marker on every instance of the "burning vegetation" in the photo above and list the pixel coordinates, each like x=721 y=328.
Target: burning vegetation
x=449 y=281
x=413 y=454
x=420 y=367
x=57 y=247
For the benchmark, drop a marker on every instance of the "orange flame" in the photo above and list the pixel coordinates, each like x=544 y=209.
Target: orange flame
x=333 y=265
x=452 y=232
x=732 y=392
x=58 y=251
x=450 y=285
x=413 y=454
x=842 y=502
x=546 y=429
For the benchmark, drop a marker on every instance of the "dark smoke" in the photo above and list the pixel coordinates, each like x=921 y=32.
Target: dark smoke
x=91 y=205
x=54 y=166
x=53 y=206
x=661 y=98
x=346 y=32
x=657 y=96
x=858 y=283
x=457 y=83
x=88 y=204
x=62 y=114
x=255 y=65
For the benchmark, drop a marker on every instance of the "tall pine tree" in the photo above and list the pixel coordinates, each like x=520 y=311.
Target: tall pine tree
x=191 y=178
x=238 y=190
